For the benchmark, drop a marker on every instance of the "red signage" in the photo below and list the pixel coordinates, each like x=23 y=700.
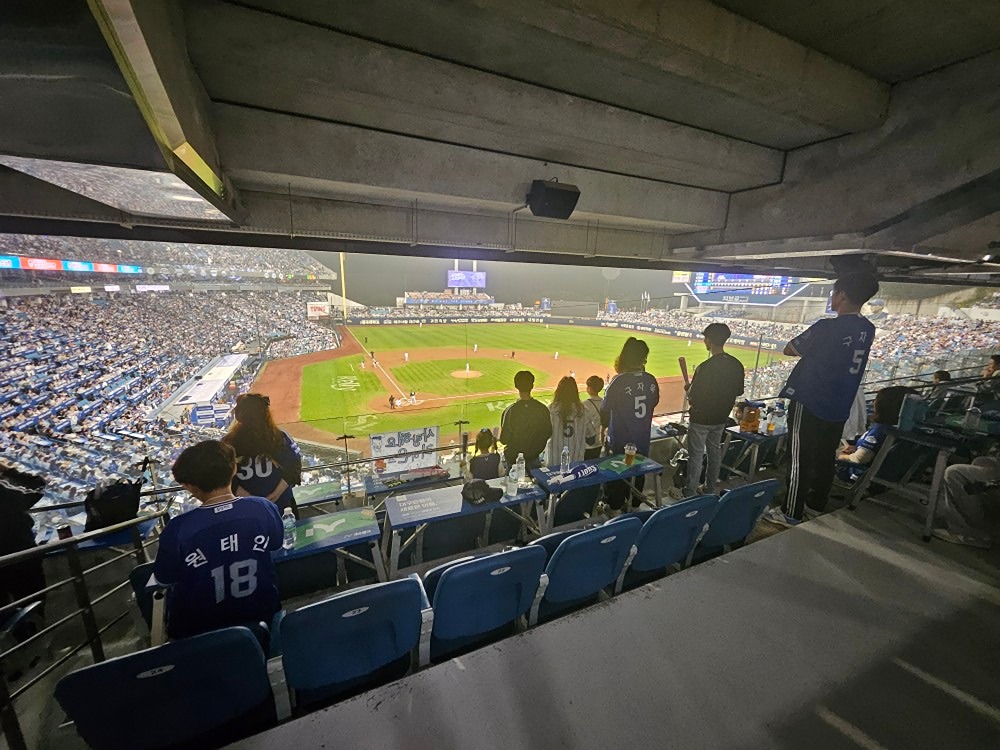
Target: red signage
x=40 y=264
x=105 y=267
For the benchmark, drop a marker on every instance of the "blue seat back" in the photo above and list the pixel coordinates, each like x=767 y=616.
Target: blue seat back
x=550 y=542
x=482 y=594
x=206 y=690
x=590 y=560
x=576 y=505
x=433 y=576
x=351 y=634
x=670 y=534
x=739 y=510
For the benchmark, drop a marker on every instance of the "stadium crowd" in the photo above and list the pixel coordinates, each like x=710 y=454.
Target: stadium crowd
x=81 y=378
x=493 y=311
x=214 y=260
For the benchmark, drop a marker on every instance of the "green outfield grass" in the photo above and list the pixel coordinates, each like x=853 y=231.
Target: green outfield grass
x=337 y=394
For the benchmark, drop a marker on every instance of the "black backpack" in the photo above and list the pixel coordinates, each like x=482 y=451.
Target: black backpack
x=114 y=503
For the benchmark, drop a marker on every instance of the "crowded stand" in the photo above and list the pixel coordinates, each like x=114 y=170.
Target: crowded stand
x=494 y=311
x=448 y=298
x=179 y=260
x=82 y=378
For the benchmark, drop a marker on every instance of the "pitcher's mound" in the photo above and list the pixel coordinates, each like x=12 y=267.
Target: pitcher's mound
x=466 y=374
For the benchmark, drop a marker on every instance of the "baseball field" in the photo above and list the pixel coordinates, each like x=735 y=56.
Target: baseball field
x=455 y=372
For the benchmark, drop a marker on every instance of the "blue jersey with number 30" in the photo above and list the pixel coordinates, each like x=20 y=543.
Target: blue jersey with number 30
x=628 y=408
x=218 y=560
x=834 y=355
x=260 y=475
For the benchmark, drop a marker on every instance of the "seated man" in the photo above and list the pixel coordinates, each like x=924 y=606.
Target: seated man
x=217 y=557
x=852 y=460
x=962 y=506
x=989 y=388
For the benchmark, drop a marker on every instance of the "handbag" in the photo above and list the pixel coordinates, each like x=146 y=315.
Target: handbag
x=107 y=505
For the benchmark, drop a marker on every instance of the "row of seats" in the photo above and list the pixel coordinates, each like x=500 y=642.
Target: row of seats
x=355 y=640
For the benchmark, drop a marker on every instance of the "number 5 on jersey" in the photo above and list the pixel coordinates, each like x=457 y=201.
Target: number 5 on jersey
x=640 y=407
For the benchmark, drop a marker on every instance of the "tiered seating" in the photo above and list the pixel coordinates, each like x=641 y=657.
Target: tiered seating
x=356 y=640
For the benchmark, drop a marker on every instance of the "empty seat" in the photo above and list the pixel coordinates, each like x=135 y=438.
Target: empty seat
x=205 y=691
x=452 y=536
x=577 y=505
x=668 y=537
x=584 y=564
x=478 y=600
x=738 y=512
x=352 y=641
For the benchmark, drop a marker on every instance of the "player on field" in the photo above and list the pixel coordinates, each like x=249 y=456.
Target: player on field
x=628 y=411
x=833 y=355
x=406 y=356
x=217 y=558
x=270 y=463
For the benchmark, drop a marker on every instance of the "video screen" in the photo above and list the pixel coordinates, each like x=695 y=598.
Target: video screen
x=467 y=279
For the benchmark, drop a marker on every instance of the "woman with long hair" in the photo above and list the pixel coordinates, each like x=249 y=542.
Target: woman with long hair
x=569 y=424
x=628 y=410
x=269 y=463
x=485 y=463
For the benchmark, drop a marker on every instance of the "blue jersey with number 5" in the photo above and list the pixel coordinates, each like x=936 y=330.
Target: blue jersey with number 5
x=628 y=409
x=217 y=559
x=834 y=354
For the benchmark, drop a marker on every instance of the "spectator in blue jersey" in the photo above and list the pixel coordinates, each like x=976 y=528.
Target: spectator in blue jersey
x=628 y=411
x=270 y=463
x=569 y=423
x=852 y=460
x=217 y=558
x=833 y=354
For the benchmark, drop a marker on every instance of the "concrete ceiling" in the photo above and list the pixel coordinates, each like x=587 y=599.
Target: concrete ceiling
x=739 y=135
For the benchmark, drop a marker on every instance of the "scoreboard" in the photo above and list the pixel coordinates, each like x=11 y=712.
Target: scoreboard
x=745 y=289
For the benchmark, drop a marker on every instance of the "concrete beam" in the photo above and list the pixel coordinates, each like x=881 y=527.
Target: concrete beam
x=62 y=96
x=147 y=39
x=270 y=152
x=341 y=78
x=940 y=137
x=684 y=60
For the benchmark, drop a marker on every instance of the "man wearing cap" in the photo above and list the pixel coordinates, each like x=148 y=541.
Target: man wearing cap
x=716 y=384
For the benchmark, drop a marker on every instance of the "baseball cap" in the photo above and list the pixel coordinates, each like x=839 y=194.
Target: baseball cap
x=717 y=333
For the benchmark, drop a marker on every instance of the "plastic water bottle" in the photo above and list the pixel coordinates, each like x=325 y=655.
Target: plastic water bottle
x=512 y=482
x=519 y=467
x=564 y=460
x=288 y=521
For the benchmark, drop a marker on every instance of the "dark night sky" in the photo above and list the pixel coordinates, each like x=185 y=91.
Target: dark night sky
x=379 y=279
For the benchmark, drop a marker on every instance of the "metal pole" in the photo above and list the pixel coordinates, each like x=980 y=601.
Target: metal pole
x=8 y=719
x=83 y=602
x=753 y=382
x=343 y=288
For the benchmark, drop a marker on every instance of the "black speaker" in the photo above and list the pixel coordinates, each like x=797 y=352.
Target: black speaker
x=554 y=200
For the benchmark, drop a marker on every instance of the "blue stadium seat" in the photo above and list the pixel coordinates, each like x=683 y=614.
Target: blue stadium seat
x=668 y=537
x=206 y=691
x=584 y=564
x=738 y=513
x=452 y=536
x=353 y=641
x=143 y=596
x=478 y=600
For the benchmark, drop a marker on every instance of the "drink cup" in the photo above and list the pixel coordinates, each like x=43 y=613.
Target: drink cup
x=630 y=454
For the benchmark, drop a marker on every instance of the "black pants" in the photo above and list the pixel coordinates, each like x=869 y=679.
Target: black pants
x=811 y=455
x=617 y=494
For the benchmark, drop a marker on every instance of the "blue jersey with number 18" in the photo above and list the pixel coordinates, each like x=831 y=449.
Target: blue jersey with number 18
x=628 y=408
x=217 y=559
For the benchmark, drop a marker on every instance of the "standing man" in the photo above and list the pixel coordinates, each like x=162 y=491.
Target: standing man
x=392 y=401
x=525 y=426
x=592 y=412
x=475 y=348
x=833 y=355
x=406 y=356
x=714 y=388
